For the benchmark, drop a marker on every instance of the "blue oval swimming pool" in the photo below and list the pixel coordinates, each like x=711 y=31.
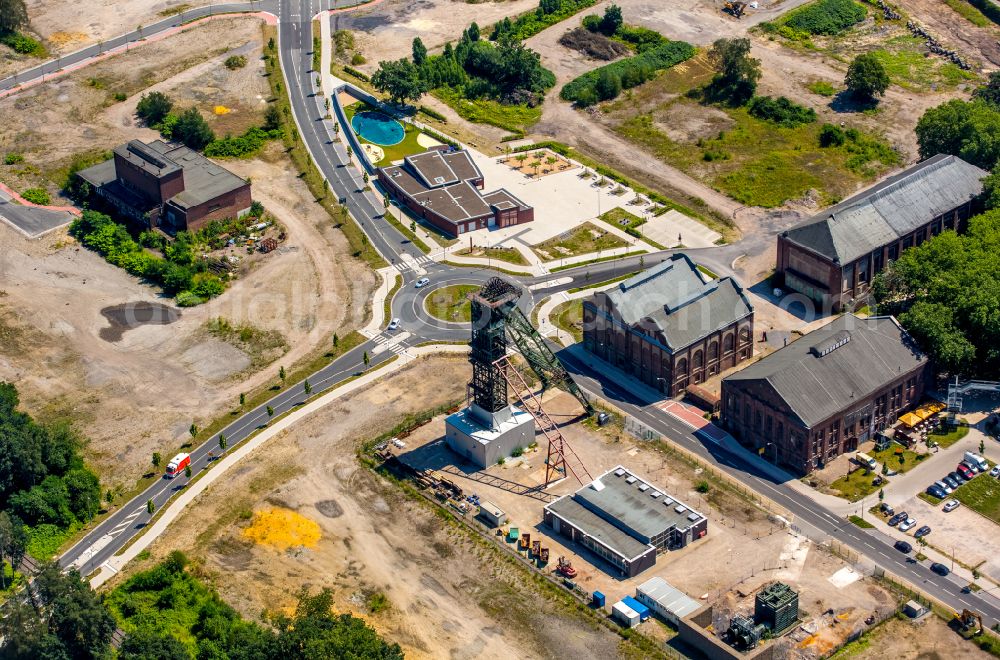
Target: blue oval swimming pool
x=378 y=128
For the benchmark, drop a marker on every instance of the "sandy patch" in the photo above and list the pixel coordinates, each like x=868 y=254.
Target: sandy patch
x=427 y=141
x=282 y=529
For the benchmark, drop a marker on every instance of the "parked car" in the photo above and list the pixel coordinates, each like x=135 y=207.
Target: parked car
x=966 y=471
x=957 y=476
x=943 y=486
x=950 y=480
x=940 y=569
x=422 y=282
x=950 y=506
x=935 y=491
x=885 y=509
x=923 y=531
x=972 y=465
x=995 y=472
x=898 y=518
x=907 y=524
x=903 y=547
x=394 y=324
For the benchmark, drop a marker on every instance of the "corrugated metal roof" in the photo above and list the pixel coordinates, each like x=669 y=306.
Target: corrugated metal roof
x=670 y=598
x=890 y=210
x=816 y=387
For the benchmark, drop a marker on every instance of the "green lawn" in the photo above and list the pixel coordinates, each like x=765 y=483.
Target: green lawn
x=514 y=118
x=759 y=163
x=904 y=60
x=581 y=240
x=450 y=303
x=407 y=147
x=508 y=254
x=981 y=494
x=891 y=456
x=622 y=219
x=856 y=485
x=861 y=522
x=568 y=316
x=950 y=437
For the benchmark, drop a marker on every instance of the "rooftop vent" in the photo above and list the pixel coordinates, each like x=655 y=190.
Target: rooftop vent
x=831 y=344
x=668 y=500
x=655 y=494
x=439 y=179
x=619 y=472
x=693 y=517
x=643 y=488
x=680 y=508
x=630 y=480
x=597 y=485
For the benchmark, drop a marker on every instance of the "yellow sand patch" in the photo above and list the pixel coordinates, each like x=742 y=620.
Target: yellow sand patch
x=66 y=38
x=222 y=110
x=282 y=529
x=426 y=141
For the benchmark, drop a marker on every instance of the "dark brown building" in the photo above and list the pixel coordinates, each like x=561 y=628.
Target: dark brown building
x=670 y=328
x=443 y=187
x=826 y=393
x=833 y=257
x=171 y=187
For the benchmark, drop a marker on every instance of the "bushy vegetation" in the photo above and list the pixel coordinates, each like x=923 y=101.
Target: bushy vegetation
x=235 y=62
x=822 y=88
x=38 y=196
x=735 y=81
x=168 y=607
x=968 y=129
x=548 y=12
x=43 y=482
x=781 y=111
x=179 y=274
x=241 y=146
x=942 y=291
x=23 y=44
x=607 y=81
x=827 y=17
x=13 y=158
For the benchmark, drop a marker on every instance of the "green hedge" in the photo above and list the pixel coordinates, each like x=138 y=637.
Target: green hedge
x=781 y=111
x=357 y=74
x=826 y=16
x=432 y=113
x=548 y=13
x=636 y=69
x=241 y=146
x=989 y=10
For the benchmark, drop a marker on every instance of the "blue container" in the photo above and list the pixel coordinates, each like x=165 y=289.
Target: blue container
x=598 y=599
x=640 y=609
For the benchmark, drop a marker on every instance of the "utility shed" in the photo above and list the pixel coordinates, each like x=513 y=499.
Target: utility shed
x=492 y=514
x=667 y=601
x=625 y=614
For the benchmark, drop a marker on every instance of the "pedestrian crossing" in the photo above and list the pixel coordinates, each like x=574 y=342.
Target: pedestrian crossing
x=412 y=264
x=392 y=343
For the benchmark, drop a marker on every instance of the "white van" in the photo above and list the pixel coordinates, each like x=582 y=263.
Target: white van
x=977 y=460
x=866 y=460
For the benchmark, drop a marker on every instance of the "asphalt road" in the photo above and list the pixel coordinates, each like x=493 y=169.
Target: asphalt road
x=295 y=44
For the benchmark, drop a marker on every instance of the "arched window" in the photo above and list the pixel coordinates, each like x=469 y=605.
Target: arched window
x=682 y=367
x=699 y=359
x=727 y=343
x=713 y=351
x=744 y=336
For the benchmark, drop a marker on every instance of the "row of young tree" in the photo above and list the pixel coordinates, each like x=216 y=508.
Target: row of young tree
x=43 y=480
x=169 y=614
x=506 y=71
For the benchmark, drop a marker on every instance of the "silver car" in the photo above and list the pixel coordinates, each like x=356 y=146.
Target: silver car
x=907 y=524
x=422 y=282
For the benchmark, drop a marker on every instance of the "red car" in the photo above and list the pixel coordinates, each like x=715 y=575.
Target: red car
x=965 y=472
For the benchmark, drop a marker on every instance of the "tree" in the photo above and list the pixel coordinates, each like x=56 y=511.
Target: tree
x=990 y=92
x=187 y=471
x=76 y=616
x=608 y=85
x=272 y=118
x=193 y=430
x=968 y=129
x=157 y=459
x=902 y=461
x=192 y=130
x=150 y=507
x=306 y=387
x=366 y=359
x=13 y=541
x=612 y=20
x=153 y=107
x=281 y=374
x=400 y=79
x=866 y=77
x=474 y=32
x=419 y=51
x=222 y=442
x=243 y=399
x=982 y=447
x=270 y=412
x=145 y=644
x=336 y=340
x=881 y=494
x=885 y=469
x=738 y=74
x=13 y=16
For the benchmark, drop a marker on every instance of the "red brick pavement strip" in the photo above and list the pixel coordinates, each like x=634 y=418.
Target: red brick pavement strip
x=692 y=417
x=267 y=17
x=20 y=200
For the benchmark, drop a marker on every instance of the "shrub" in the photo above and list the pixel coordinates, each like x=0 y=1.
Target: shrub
x=549 y=12
x=241 y=146
x=188 y=299
x=358 y=58
x=235 y=62
x=822 y=88
x=592 y=22
x=120 y=96
x=432 y=113
x=639 y=37
x=826 y=16
x=23 y=44
x=357 y=74
x=583 y=90
x=13 y=158
x=38 y=196
x=781 y=111
x=831 y=136
x=153 y=108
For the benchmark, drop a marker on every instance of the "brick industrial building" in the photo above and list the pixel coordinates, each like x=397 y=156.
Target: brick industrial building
x=171 y=187
x=444 y=187
x=625 y=520
x=670 y=328
x=824 y=394
x=832 y=257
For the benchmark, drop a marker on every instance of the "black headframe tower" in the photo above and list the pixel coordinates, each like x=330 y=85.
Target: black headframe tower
x=490 y=306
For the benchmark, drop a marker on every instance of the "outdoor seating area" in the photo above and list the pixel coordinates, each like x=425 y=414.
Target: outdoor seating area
x=914 y=427
x=537 y=163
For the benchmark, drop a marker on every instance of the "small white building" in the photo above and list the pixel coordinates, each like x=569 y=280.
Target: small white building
x=492 y=514
x=625 y=615
x=669 y=602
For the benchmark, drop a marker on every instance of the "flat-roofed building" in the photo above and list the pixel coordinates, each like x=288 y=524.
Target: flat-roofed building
x=824 y=394
x=832 y=257
x=667 y=601
x=669 y=327
x=625 y=520
x=444 y=187
x=167 y=186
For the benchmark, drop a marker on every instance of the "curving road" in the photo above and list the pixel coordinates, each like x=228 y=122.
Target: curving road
x=295 y=45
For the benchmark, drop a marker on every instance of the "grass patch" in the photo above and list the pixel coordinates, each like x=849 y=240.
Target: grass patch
x=177 y=9
x=891 y=456
x=44 y=541
x=619 y=217
x=764 y=164
x=407 y=147
x=507 y=254
x=596 y=261
x=262 y=346
x=822 y=88
x=969 y=13
x=405 y=231
x=825 y=16
x=450 y=303
x=296 y=149
x=905 y=61
x=585 y=239
x=982 y=494
x=706 y=272
x=514 y=118
x=613 y=280
x=855 y=485
x=387 y=306
x=861 y=522
x=930 y=499
x=568 y=316
x=947 y=436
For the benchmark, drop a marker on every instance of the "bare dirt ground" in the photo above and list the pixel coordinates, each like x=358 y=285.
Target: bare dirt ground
x=978 y=43
x=449 y=597
x=930 y=638
x=54 y=290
